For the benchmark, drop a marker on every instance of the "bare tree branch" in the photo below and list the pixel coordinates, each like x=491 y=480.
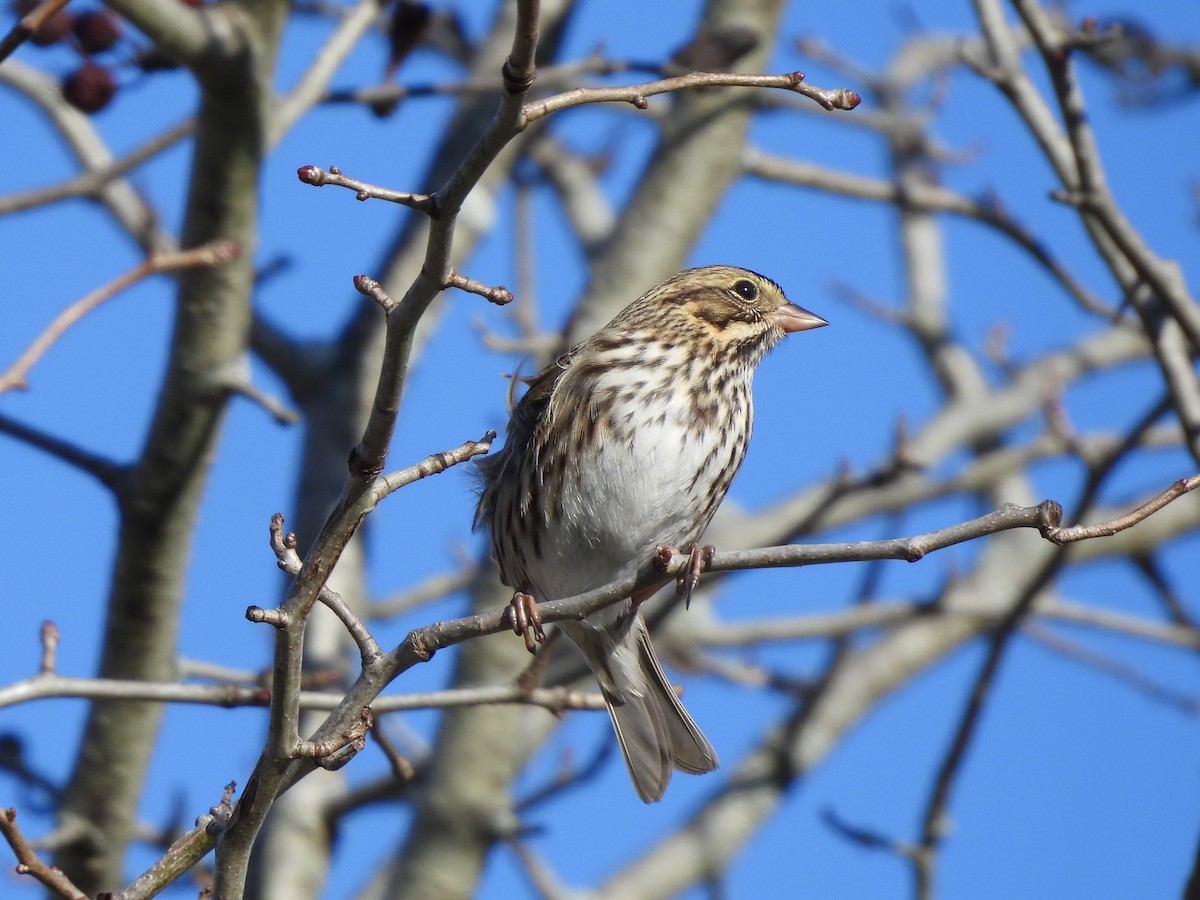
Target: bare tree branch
x=216 y=253
x=29 y=863
x=318 y=177
x=829 y=98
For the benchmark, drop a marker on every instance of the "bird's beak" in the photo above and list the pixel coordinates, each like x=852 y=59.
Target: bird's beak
x=791 y=317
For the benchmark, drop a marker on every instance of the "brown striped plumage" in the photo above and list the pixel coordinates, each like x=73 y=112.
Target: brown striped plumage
x=628 y=441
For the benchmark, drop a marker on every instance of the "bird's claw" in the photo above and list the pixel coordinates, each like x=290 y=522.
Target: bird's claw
x=698 y=560
x=526 y=620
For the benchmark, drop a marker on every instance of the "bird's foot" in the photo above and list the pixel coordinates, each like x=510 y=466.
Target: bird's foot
x=698 y=560
x=526 y=620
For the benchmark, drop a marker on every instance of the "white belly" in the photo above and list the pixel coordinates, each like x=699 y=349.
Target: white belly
x=631 y=495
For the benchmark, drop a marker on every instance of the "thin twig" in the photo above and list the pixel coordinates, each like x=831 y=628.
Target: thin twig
x=29 y=863
x=56 y=687
x=284 y=548
x=185 y=851
x=335 y=752
x=1090 y=185
x=500 y=295
x=369 y=287
x=106 y=471
x=387 y=96
x=867 y=838
x=89 y=182
x=935 y=820
x=49 y=648
x=636 y=94
x=433 y=588
x=216 y=253
x=1126 y=674
x=828 y=625
x=567 y=778
x=28 y=24
x=277 y=766
x=1152 y=571
x=312 y=85
x=318 y=177
x=402 y=767
x=432 y=465
x=273 y=406
x=927 y=197
x=1105 y=529
x=1176 y=634
x=546 y=884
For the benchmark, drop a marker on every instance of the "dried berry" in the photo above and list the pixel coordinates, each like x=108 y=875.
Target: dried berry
x=97 y=30
x=54 y=29
x=90 y=88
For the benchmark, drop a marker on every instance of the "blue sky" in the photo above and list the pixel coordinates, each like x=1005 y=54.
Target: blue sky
x=1076 y=786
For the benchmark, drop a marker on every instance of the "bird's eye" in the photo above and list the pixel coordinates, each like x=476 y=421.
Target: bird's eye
x=748 y=289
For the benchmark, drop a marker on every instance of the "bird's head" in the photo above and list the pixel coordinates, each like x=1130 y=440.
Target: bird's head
x=721 y=306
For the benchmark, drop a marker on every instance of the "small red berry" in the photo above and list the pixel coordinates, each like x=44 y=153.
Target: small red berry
x=97 y=30
x=54 y=29
x=89 y=88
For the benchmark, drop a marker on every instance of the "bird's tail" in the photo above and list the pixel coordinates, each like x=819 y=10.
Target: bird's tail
x=653 y=729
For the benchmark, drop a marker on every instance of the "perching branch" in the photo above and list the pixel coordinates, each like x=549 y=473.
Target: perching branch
x=421 y=643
